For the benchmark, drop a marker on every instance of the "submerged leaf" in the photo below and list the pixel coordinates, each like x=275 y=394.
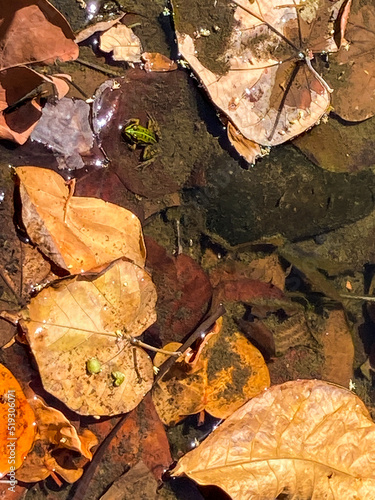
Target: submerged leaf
x=46 y=35
x=227 y=372
x=269 y=88
x=93 y=316
x=303 y=439
x=78 y=234
x=120 y=39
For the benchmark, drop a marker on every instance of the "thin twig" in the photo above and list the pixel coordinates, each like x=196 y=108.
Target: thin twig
x=139 y=343
x=367 y=298
x=9 y=284
x=202 y=329
x=97 y=67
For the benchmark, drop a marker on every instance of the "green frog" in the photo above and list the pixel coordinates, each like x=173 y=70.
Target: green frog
x=145 y=137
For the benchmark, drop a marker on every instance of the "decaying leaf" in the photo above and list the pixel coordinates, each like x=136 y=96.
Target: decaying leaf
x=97 y=27
x=248 y=149
x=54 y=432
x=83 y=317
x=354 y=98
x=46 y=35
x=227 y=372
x=136 y=483
x=17 y=430
x=120 y=39
x=157 y=62
x=64 y=127
x=303 y=439
x=268 y=87
x=16 y=83
x=78 y=234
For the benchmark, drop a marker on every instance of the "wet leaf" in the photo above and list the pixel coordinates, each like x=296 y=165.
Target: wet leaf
x=120 y=39
x=17 y=431
x=15 y=83
x=137 y=483
x=248 y=149
x=228 y=371
x=302 y=439
x=354 y=99
x=64 y=127
x=46 y=35
x=184 y=291
x=81 y=317
x=54 y=432
x=268 y=87
x=97 y=27
x=158 y=62
x=76 y=233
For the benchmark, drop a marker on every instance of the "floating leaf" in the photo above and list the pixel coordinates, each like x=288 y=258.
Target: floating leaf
x=120 y=39
x=227 y=372
x=54 y=432
x=46 y=35
x=303 y=439
x=267 y=85
x=76 y=233
x=93 y=316
x=17 y=431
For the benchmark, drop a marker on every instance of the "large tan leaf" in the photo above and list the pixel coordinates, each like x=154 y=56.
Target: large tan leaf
x=76 y=319
x=76 y=233
x=268 y=87
x=305 y=439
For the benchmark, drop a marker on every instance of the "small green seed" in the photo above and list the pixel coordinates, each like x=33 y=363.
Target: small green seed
x=118 y=378
x=93 y=365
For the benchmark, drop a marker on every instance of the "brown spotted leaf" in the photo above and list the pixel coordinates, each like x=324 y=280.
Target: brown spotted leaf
x=302 y=439
x=225 y=373
x=93 y=316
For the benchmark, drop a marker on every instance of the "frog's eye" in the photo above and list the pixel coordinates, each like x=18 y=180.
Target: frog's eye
x=118 y=378
x=93 y=366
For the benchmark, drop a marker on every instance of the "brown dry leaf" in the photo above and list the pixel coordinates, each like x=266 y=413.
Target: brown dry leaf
x=120 y=39
x=338 y=349
x=303 y=439
x=268 y=87
x=227 y=372
x=354 y=99
x=157 y=62
x=83 y=317
x=15 y=83
x=78 y=234
x=17 y=430
x=54 y=431
x=248 y=149
x=136 y=483
x=34 y=32
x=100 y=26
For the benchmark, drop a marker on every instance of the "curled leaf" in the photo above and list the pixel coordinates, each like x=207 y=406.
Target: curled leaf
x=17 y=430
x=54 y=432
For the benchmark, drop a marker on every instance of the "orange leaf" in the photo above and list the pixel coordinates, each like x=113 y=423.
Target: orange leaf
x=17 y=428
x=157 y=62
x=228 y=372
x=77 y=233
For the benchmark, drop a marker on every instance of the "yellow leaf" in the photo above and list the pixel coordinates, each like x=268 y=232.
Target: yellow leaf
x=77 y=233
x=83 y=317
x=303 y=439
